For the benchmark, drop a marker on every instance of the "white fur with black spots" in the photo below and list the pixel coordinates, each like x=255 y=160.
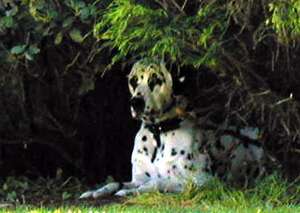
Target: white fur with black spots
x=170 y=149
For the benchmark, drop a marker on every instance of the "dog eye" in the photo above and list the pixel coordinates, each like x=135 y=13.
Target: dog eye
x=133 y=82
x=153 y=81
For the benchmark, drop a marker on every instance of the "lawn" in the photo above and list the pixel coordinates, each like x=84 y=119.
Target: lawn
x=272 y=194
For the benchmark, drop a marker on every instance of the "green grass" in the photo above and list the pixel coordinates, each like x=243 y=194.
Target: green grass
x=140 y=209
x=271 y=194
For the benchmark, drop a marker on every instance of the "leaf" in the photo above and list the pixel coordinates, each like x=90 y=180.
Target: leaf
x=17 y=50
x=68 y=22
x=66 y=195
x=53 y=14
x=80 y=4
x=5 y=187
x=13 y=11
x=86 y=85
x=76 y=36
x=11 y=196
x=28 y=56
x=8 y=21
x=33 y=50
x=84 y=13
x=93 y=10
x=58 y=38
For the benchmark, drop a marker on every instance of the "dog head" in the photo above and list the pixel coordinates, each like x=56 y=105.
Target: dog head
x=150 y=85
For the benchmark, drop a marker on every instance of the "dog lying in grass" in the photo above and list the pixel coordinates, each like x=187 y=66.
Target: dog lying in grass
x=170 y=148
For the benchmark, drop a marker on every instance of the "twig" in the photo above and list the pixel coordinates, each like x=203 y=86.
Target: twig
x=183 y=5
x=72 y=63
x=178 y=7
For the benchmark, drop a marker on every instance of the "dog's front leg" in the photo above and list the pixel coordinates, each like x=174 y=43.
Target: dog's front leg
x=108 y=189
x=162 y=185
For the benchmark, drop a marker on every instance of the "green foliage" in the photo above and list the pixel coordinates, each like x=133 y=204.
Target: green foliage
x=38 y=20
x=285 y=19
x=140 y=31
x=24 y=50
x=22 y=190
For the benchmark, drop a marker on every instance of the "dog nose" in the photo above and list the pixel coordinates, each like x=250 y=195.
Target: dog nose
x=138 y=104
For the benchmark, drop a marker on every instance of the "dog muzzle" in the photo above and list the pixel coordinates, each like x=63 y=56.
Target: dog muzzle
x=138 y=105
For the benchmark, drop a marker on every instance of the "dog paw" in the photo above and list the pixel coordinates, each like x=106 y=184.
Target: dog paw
x=126 y=192
x=87 y=194
x=122 y=193
x=100 y=193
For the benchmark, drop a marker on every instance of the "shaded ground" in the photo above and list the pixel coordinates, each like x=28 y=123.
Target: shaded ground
x=48 y=193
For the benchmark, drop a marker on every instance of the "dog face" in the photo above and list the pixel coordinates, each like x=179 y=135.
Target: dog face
x=150 y=85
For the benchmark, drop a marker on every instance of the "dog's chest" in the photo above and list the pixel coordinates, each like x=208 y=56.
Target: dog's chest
x=171 y=155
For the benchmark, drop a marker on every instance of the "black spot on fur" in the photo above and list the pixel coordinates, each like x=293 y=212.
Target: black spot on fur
x=173 y=133
x=153 y=81
x=133 y=82
x=185 y=166
x=191 y=167
x=173 y=152
x=174 y=167
x=190 y=156
x=145 y=150
x=147 y=174
x=144 y=138
x=140 y=151
x=182 y=152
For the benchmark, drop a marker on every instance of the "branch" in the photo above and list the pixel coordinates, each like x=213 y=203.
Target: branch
x=38 y=140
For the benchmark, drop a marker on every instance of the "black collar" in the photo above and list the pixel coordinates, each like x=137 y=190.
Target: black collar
x=164 y=126
x=170 y=106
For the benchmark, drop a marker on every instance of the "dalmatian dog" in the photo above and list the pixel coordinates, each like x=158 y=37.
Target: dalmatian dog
x=170 y=149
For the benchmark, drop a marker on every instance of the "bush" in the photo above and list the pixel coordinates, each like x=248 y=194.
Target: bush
x=252 y=46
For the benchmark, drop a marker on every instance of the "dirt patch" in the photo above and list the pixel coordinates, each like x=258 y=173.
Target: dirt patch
x=56 y=192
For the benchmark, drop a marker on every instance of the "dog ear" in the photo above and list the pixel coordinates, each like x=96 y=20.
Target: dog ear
x=167 y=74
x=189 y=81
x=182 y=80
